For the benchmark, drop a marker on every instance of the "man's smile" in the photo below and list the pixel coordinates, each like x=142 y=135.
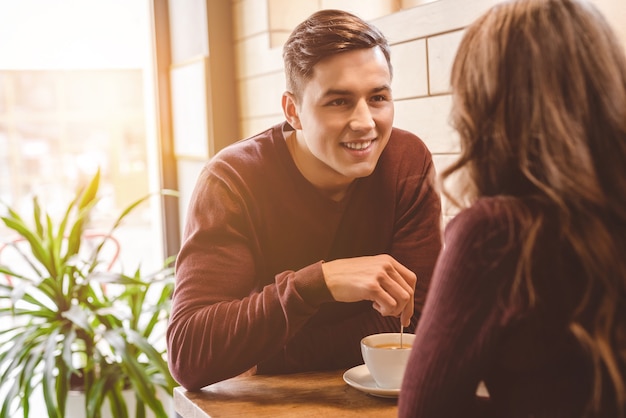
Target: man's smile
x=359 y=145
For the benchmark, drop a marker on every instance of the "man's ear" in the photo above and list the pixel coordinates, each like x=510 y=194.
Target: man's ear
x=290 y=109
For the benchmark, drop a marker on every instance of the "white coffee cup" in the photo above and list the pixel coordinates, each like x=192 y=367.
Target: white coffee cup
x=384 y=358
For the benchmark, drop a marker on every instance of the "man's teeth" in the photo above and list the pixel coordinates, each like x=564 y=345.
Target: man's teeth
x=357 y=145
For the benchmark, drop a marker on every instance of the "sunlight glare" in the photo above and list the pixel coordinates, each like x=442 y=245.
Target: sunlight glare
x=72 y=34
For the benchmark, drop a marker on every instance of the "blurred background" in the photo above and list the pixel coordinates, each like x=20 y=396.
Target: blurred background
x=76 y=94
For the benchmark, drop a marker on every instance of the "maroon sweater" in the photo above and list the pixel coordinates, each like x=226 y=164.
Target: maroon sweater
x=470 y=329
x=249 y=284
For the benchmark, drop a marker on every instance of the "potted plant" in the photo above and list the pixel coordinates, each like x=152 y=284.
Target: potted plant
x=68 y=323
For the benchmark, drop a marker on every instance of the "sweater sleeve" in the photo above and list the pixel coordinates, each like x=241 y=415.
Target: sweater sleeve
x=460 y=323
x=221 y=323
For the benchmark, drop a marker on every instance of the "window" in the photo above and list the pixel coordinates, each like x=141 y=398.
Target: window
x=74 y=96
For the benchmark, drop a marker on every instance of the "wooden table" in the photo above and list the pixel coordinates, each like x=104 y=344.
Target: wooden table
x=318 y=394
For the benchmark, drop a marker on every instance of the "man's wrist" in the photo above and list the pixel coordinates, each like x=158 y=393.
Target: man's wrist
x=311 y=285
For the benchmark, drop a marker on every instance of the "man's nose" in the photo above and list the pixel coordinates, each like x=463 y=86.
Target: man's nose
x=361 y=118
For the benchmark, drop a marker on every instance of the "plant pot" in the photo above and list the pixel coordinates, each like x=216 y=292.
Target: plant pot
x=75 y=407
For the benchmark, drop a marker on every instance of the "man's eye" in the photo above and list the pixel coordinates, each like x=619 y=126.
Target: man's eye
x=337 y=102
x=380 y=98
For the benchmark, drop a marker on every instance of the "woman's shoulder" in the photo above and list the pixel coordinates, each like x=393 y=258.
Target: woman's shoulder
x=487 y=216
x=490 y=208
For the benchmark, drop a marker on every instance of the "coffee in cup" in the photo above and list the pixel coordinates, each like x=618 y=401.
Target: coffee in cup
x=386 y=358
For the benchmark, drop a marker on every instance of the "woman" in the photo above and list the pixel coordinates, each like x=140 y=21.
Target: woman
x=529 y=294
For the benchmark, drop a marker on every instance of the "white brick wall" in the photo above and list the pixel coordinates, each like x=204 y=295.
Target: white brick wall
x=427 y=117
x=410 y=69
x=441 y=53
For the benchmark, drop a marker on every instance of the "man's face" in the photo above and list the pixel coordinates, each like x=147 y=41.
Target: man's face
x=343 y=118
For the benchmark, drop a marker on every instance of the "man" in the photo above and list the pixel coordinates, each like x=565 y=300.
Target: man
x=307 y=237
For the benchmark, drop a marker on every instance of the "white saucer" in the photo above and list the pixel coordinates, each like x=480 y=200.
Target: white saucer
x=359 y=378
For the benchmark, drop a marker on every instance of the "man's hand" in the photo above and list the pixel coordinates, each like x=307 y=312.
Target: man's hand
x=380 y=278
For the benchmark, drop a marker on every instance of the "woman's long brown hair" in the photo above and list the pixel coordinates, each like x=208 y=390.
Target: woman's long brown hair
x=539 y=102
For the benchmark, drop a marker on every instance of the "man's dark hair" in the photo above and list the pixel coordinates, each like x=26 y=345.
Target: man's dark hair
x=324 y=34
